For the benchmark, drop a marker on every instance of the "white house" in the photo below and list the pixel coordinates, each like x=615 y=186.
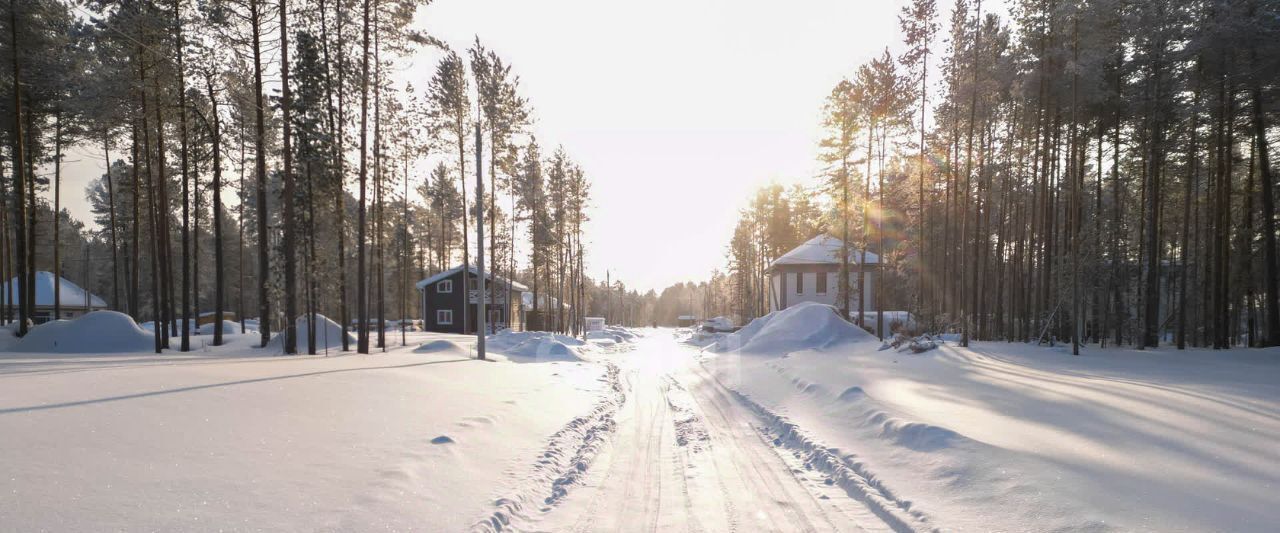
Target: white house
x=811 y=273
x=75 y=300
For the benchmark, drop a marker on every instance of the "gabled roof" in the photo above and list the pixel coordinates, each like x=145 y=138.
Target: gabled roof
x=72 y=295
x=475 y=272
x=822 y=250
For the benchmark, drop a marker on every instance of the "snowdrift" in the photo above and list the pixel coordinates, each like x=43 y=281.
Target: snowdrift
x=617 y=334
x=328 y=333
x=805 y=326
x=228 y=328
x=96 y=332
x=720 y=323
x=439 y=346
x=538 y=345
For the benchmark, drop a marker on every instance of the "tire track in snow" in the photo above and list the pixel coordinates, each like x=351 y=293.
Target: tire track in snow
x=565 y=460
x=852 y=476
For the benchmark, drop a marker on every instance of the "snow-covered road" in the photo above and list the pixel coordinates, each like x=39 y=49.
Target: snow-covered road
x=688 y=456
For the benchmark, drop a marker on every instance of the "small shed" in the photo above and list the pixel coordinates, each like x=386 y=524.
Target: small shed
x=75 y=301
x=686 y=321
x=593 y=323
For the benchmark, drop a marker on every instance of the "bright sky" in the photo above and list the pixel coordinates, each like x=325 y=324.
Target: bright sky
x=676 y=109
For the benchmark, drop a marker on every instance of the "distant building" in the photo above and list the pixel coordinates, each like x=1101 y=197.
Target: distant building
x=444 y=298
x=686 y=321
x=811 y=273
x=75 y=300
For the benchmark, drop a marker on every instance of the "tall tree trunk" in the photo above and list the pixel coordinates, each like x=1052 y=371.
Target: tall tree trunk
x=338 y=157
x=186 y=179
x=135 y=227
x=362 y=308
x=111 y=219
x=19 y=180
x=219 y=276
x=260 y=156
x=1188 y=192
x=290 y=221
x=1270 y=267
x=57 y=218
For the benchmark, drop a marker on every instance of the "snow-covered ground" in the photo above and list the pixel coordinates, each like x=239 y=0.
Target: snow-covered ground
x=797 y=422
x=235 y=438
x=1019 y=438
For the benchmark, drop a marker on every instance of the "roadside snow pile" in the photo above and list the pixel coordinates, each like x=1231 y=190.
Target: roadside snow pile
x=539 y=345
x=617 y=334
x=702 y=339
x=328 y=333
x=720 y=323
x=805 y=326
x=96 y=332
x=439 y=346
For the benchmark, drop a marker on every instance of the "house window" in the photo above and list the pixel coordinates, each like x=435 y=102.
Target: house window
x=821 y=286
x=799 y=282
x=445 y=286
x=444 y=317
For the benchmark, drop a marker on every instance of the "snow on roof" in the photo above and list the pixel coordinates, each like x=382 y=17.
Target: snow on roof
x=488 y=275
x=822 y=250
x=72 y=295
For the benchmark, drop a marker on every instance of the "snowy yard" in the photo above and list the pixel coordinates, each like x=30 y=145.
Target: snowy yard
x=232 y=439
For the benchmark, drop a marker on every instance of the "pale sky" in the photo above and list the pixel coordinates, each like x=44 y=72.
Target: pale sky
x=676 y=109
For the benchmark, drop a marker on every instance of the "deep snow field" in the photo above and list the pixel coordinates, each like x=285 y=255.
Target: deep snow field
x=236 y=438
x=1005 y=436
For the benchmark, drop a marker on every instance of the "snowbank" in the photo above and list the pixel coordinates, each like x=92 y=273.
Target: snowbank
x=228 y=327
x=440 y=345
x=1021 y=438
x=538 y=345
x=720 y=323
x=805 y=326
x=329 y=333
x=96 y=332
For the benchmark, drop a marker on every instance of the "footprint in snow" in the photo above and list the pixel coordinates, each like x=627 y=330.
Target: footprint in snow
x=442 y=439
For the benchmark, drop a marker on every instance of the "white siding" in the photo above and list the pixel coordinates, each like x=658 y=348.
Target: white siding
x=786 y=298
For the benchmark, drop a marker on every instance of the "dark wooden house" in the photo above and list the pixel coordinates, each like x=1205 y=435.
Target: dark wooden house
x=442 y=299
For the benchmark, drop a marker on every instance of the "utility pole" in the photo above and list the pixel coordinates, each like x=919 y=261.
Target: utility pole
x=480 y=294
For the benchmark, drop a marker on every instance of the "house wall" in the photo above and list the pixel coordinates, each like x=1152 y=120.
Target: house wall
x=785 y=294
x=431 y=300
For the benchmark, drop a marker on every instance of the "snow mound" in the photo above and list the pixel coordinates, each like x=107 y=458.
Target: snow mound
x=805 y=326
x=538 y=345
x=96 y=332
x=228 y=327
x=439 y=346
x=616 y=334
x=327 y=332
x=720 y=323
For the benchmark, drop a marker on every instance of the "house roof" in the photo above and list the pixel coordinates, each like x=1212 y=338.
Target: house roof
x=488 y=275
x=72 y=295
x=822 y=250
